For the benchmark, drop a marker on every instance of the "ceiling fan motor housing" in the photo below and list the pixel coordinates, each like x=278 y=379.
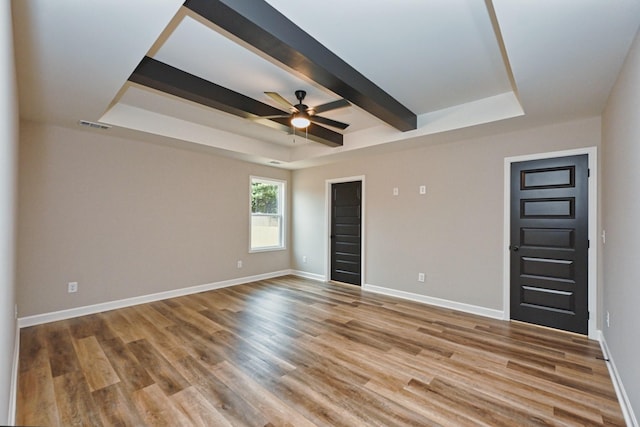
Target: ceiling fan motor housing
x=300 y=94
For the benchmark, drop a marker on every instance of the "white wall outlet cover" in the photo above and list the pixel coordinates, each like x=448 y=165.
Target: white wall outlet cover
x=423 y=189
x=395 y=191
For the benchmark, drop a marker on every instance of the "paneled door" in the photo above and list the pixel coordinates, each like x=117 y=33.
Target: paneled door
x=346 y=232
x=549 y=242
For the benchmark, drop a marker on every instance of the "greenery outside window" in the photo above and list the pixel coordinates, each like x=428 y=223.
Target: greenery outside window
x=267 y=214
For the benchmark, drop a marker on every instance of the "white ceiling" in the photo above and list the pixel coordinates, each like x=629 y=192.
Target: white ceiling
x=455 y=63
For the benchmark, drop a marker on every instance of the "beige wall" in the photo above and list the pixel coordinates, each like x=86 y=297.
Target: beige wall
x=8 y=144
x=454 y=234
x=126 y=218
x=621 y=221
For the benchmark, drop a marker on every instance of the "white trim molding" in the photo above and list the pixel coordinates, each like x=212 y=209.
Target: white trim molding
x=310 y=276
x=625 y=404
x=13 y=398
x=438 y=302
x=592 y=153
x=39 y=319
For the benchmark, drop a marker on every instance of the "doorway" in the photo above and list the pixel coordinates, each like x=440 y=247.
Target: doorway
x=549 y=242
x=345 y=225
x=549 y=226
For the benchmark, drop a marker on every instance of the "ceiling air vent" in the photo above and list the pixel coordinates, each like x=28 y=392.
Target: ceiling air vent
x=94 y=125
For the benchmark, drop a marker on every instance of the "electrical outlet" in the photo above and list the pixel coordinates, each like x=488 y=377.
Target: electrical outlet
x=239 y=263
x=395 y=191
x=604 y=237
x=72 y=287
x=608 y=320
x=304 y=259
x=420 y=277
x=423 y=189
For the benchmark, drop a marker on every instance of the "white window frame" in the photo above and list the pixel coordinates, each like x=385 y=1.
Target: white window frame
x=282 y=204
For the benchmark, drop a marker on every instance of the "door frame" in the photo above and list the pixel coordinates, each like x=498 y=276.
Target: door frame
x=327 y=225
x=592 y=153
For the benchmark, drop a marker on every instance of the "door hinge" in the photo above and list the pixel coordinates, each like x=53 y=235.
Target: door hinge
x=588 y=173
x=588 y=315
x=588 y=243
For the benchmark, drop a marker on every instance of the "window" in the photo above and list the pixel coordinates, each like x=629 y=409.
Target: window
x=267 y=214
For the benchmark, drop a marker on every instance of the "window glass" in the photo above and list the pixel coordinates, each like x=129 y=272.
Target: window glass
x=267 y=214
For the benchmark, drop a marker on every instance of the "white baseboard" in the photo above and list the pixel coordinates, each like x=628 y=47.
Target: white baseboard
x=13 y=397
x=625 y=404
x=311 y=276
x=39 y=319
x=467 y=308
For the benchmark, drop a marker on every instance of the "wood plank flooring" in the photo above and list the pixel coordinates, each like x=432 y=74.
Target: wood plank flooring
x=291 y=352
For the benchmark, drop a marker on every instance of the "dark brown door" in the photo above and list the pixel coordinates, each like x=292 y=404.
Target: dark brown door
x=346 y=224
x=549 y=242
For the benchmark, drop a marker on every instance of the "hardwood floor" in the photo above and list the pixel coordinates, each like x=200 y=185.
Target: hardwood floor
x=291 y=352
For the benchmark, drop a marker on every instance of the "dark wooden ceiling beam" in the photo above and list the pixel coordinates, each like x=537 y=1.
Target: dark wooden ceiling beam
x=259 y=24
x=160 y=76
x=165 y=78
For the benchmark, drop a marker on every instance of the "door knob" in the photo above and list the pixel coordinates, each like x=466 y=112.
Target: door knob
x=516 y=248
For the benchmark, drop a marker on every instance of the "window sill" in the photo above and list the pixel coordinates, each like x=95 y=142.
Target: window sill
x=268 y=249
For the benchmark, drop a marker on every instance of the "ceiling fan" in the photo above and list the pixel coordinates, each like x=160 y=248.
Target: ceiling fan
x=302 y=115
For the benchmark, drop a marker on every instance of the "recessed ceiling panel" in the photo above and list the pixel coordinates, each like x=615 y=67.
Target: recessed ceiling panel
x=566 y=55
x=224 y=62
x=428 y=55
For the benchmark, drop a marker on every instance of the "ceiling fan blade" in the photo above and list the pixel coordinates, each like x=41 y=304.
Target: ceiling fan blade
x=334 y=105
x=328 y=122
x=277 y=116
x=280 y=100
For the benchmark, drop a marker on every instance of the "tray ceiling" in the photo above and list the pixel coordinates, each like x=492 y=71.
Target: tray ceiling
x=411 y=70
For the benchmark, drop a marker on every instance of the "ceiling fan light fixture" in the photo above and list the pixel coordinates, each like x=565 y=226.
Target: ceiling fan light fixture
x=300 y=120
